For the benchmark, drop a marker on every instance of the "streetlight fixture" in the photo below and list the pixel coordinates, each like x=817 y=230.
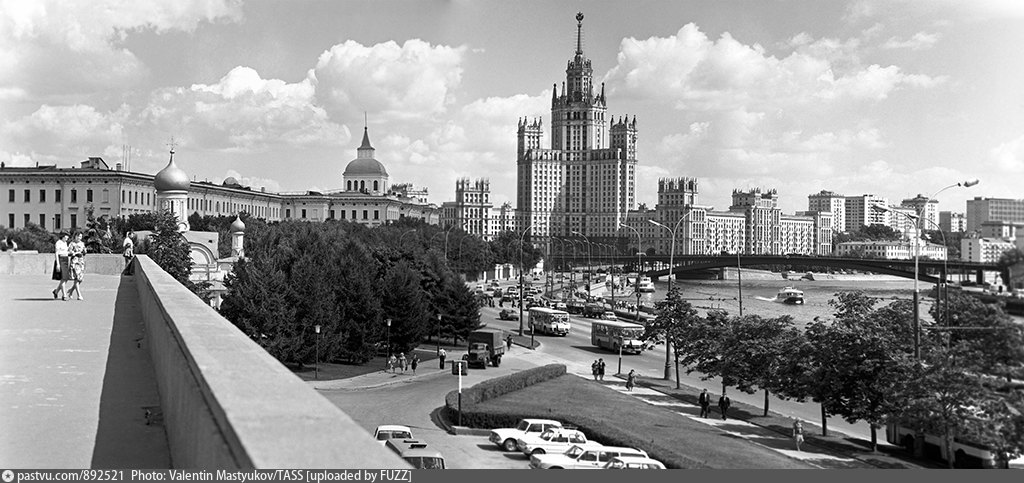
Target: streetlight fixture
x=590 y=269
x=671 y=266
x=636 y=286
x=521 y=241
x=917 y=258
x=387 y=322
x=439 y=334
x=316 y=361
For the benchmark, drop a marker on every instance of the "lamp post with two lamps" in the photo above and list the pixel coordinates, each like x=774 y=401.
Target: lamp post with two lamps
x=917 y=258
x=590 y=260
x=671 y=266
x=316 y=361
x=522 y=239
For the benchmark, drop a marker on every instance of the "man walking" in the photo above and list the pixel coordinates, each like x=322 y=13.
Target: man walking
x=600 y=369
x=508 y=342
x=705 y=402
x=593 y=369
x=441 y=354
x=798 y=433
x=723 y=404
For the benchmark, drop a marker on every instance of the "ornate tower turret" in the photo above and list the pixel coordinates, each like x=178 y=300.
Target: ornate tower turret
x=529 y=136
x=172 y=186
x=237 y=237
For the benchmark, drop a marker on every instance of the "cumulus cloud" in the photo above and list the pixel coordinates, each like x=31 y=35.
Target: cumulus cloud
x=243 y=112
x=78 y=129
x=253 y=182
x=414 y=80
x=56 y=47
x=1008 y=156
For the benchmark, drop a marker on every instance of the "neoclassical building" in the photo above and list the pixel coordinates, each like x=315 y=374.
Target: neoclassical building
x=59 y=198
x=583 y=183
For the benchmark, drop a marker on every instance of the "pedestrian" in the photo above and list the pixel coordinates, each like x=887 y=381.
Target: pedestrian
x=600 y=369
x=631 y=380
x=128 y=252
x=798 y=433
x=593 y=369
x=392 y=361
x=76 y=254
x=508 y=342
x=62 y=265
x=402 y=362
x=705 y=402
x=441 y=354
x=414 y=362
x=11 y=244
x=723 y=405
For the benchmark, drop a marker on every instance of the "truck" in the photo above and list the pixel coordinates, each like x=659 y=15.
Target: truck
x=593 y=310
x=485 y=345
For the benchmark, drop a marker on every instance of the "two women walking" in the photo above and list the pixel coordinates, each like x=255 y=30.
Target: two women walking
x=69 y=264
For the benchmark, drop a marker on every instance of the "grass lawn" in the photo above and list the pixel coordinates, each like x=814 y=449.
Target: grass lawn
x=613 y=418
x=339 y=370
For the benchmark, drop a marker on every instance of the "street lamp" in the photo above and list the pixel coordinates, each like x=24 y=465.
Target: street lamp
x=590 y=272
x=316 y=362
x=403 y=235
x=637 y=285
x=671 y=266
x=917 y=257
x=521 y=239
x=387 y=322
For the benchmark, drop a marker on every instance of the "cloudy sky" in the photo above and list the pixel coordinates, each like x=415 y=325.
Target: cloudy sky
x=890 y=97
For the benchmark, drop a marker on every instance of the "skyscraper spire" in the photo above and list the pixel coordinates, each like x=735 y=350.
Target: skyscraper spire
x=579 y=33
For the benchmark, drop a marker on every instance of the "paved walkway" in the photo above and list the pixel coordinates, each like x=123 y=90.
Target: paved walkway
x=834 y=452
x=75 y=380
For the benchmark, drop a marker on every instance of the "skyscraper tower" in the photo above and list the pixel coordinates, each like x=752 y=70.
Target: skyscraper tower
x=585 y=182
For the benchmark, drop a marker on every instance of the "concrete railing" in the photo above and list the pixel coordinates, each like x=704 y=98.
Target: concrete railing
x=32 y=263
x=227 y=403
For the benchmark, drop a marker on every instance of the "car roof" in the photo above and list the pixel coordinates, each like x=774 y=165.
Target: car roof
x=392 y=427
x=542 y=421
x=634 y=459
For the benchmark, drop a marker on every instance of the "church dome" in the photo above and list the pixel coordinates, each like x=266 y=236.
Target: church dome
x=237 y=225
x=365 y=167
x=171 y=178
x=230 y=181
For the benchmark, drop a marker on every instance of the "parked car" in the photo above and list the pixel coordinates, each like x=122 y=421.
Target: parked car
x=507 y=314
x=633 y=463
x=561 y=306
x=508 y=438
x=416 y=453
x=554 y=440
x=582 y=457
x=385 y=432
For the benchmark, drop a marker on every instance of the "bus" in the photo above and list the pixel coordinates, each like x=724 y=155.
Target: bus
x=549 y=321
x=415 y=452
x=613 y=335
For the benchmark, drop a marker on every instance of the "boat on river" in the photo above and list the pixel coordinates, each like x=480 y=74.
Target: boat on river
x=645 y=285
x=790 y=295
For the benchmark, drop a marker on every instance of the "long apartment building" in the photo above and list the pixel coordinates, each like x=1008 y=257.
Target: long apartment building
x=583 y=183
x=60 y=198
x=981 y=210
x=473 y=211
x=754 y=224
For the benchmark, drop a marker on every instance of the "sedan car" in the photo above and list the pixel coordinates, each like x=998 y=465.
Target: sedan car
x=507 y=314
x=633 y=463
x=385 y=432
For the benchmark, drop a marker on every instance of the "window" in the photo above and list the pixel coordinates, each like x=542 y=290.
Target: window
x=56 y=221
x=122 y=196
x=375 y=188
x=365 y=213
x=74 y=219
x=10 y=218
x=88 y=196
x=42 y=196
x=28 y=219
x=332 y=214
x=57 y=196
x=74 y=196
x=349 y=185
x=342 y=214
x=287 y=213
x=303 y=213
x=10 y=198
x=353 y=214
x=42 y=221
x=106 y=196
x=28 y=195
x=376 y=214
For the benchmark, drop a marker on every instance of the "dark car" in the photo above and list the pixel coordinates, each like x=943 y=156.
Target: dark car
x=507 y=314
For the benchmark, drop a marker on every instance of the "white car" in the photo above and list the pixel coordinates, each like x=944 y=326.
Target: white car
x=385 y=432
x=633 y=463
x=555 y=440
x=582 y=457
x=508 y=438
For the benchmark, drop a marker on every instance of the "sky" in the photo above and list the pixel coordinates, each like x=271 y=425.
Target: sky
x=885 y=97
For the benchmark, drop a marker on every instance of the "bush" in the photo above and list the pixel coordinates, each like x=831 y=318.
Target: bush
x=496 y=387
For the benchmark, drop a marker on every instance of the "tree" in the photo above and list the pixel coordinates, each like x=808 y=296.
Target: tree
x=1011 y=266
x=31 y=237
x=506 y=249
x=169 y=249
x=675 y=323
x=403 y=302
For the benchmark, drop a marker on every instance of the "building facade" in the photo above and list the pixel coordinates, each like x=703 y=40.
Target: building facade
x=952 y=222
x=866 y=210
x=834 y=203
x=926 y=208
x=61 y=198
x=891 y=250
x=984 y=250
x=980 y=210
x=583 y=183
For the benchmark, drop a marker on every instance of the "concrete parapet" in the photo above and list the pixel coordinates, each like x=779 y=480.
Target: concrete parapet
x=34 y=263
x=227 y=403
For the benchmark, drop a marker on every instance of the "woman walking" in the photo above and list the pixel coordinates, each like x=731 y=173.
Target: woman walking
x=63 y=265
x=76 y=252
x=631 y=380
x=798 y=433
x=129 y=251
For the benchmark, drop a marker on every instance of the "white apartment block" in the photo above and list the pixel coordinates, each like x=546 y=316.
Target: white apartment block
x=891 y=250
x=952 y=222
x=984 y=250
x=926 y=208
x=831 y=202
x=860 y=212
x=980 y=210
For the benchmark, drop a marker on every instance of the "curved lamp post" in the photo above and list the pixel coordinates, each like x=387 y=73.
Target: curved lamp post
x=521 y=239
x=590 y=272
x=671 y=265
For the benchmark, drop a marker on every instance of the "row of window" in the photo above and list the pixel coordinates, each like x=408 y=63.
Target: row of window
x=316 y=214
x=57 y=225
x=58 y=196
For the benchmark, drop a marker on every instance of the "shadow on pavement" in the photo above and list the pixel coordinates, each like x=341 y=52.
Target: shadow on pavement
x=125 y=436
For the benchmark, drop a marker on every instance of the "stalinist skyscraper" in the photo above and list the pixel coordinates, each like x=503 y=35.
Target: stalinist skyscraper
x=585 y=183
